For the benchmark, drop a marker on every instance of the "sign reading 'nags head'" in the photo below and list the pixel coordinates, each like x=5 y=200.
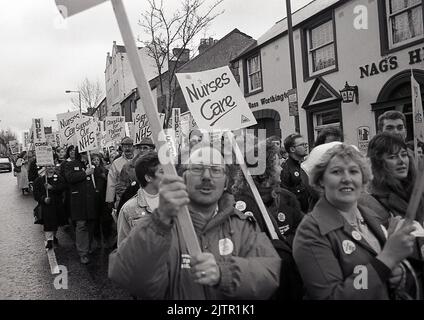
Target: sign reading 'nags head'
x=215 y=100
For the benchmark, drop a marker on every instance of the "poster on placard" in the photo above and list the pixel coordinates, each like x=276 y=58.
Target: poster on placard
x=66 y=122
x=115 y=128
x=141 y=127
x=86 y=134
x=44 y=155
x=14 y=146
x=57 y=138
x=26 y=139
x=51 y=139
x=185 y=119
x=215 y=100
x=38 y=130
x=175 y=125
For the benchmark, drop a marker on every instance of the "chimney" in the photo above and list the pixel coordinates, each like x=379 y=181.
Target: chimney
x=185 y=56
x=206 y=44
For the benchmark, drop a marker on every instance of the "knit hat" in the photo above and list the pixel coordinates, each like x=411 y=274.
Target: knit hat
x=127 y=140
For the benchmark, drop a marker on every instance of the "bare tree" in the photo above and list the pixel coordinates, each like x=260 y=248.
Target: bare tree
x=91 y=94
x=170 y=31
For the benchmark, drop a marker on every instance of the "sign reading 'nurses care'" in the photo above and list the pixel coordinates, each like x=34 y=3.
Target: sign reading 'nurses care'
x=215 y=99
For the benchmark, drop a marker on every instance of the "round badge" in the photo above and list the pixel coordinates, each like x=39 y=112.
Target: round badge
x=356 y=235
x=226 y=246
x=348 y=246
x=281 y=217
x=88 y=178
x=296 y=174
x=249 y=213
x=133 y=183
x=241 y=205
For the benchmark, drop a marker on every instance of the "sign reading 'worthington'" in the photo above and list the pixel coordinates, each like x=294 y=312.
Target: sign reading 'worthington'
x=215 y=99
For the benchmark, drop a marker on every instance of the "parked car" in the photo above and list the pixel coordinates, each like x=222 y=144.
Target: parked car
x=5 y=164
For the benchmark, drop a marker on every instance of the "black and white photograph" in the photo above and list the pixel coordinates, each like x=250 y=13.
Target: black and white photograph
x=236 y=154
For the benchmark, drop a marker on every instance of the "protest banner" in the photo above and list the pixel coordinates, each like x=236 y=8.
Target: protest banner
x=417 y=111
x=67 y=122
x=185 y=119
x=175 y=125
x=86 y=134
x=115 y=128
x=147 y=100
x=215 y=100
x=51 y=139
x=57 y=138
x=38 y=130
x=141 y=127
x=69 y=8
x=14 y=146
x=44 y=155
x=26 y=139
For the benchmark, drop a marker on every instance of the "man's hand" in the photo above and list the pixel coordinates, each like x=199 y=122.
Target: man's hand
x=172 y=196
x=89 y=171
x=47 y=200
x=205 y=269
x=48 y=186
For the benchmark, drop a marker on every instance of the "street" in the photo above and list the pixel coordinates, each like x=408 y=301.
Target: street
x=24 y=266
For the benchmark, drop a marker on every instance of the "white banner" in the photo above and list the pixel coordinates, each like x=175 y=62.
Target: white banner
x=185 y=119
x=141 y=127
x=38 y=130
x=417 y=110
x=86 y=133
x=115 y=128
x=67 y=122
x=44 y=155
x=215 y=100
x=14 y=146
x=68 y=8
x=175 y=124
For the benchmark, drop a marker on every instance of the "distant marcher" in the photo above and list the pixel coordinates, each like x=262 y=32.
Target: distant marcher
x=22 y=172
x=82 y=202
x=328 y=135
x=52 y=207
x=293 y=178
x=149 y=173
x=393 y=122
x=341 y=240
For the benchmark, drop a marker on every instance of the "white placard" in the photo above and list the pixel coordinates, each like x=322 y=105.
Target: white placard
x=141 y=127
x=115 y=128
x=66 y=122
x=44 y=155
x=215 y=100
x=38 y=130
x=86 y=133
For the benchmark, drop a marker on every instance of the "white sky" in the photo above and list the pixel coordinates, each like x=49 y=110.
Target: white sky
x=41 y=55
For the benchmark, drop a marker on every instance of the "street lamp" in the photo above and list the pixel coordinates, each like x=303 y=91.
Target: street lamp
x=349 y=92
x=79 y=95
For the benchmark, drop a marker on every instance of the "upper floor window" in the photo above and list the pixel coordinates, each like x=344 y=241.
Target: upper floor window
x=322 y=52
x=404 y=21
x=254 y=73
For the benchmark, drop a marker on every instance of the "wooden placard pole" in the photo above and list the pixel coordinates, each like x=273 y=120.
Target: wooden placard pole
x=252 y=185
x=150 y=108
x=92 y=175
x=47 y=189
x=416 y=197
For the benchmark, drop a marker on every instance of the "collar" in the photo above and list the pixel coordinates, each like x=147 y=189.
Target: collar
x=141 y=201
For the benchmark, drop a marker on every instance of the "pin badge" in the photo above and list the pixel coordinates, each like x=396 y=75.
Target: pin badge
x=249 y=213
x=356 y=235
x=348 y=246
x=241 y=205
x=88 y=178
x=281 y=217
x=226 y=246
x=296 y=174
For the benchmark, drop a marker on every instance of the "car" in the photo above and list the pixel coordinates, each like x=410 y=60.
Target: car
x=5 y=164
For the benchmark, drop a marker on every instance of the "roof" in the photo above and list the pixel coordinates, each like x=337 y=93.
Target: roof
x=280 y=27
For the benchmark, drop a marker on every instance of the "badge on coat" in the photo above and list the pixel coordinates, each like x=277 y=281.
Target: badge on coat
x=348 y=246
x=241 y=205
x=356 y=235
x=76 y=168
x=226 y=246
x=249 y=213
x=88 y=178
x=281 y=217
x=296 y=174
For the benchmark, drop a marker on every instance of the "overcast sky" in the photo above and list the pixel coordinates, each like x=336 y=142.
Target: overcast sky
x=42 y=55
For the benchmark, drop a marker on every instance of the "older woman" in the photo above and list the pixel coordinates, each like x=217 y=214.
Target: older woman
x=340 y=248
x=393 y=180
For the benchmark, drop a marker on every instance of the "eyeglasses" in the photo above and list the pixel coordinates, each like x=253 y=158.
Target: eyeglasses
x=215 y=171
x=301 y=145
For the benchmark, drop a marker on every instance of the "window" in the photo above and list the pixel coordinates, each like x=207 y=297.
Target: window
x=326 y=119
x=254 y=74
x=404 y=21
x=321 y=48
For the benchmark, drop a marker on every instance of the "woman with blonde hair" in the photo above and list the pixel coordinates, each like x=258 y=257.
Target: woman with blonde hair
x=340 y=248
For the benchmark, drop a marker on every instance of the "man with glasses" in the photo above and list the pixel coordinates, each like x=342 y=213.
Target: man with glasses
x=293 y=178
x=237 y=260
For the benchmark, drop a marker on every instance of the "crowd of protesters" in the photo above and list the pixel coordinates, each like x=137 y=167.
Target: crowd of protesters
x=325 y=223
